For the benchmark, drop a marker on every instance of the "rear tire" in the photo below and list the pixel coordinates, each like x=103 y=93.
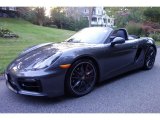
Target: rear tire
x=149 y=58
x=81 y=77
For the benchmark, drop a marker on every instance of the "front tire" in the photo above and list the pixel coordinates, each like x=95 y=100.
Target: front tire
x=149 y=58
x=81 y=77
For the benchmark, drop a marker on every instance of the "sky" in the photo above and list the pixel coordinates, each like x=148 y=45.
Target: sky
x=48 y=11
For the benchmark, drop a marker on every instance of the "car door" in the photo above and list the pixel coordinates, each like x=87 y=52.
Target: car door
x=118 y=58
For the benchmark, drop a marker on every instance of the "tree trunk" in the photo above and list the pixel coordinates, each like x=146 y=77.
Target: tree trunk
x=40 y=22
x=90 y=15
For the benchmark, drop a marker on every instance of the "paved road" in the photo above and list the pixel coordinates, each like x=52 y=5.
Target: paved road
x=137 y=91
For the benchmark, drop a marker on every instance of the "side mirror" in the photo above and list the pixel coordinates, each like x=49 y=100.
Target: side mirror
x=117 y=40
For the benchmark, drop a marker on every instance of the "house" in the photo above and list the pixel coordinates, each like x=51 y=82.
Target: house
x=8 y=12
x=99 y=16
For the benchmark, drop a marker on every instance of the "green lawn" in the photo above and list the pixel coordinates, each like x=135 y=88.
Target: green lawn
x=29 y=35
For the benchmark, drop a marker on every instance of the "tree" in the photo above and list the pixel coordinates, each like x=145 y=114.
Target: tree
x=152 y=14
x=90 y=15
x=61 y=20
x=81 y=23
x=58 y=16
x=22 y=11
x=34 y=15
x=40 y=15
x=136 y=14
x=112 y=11
x=26 y=13
x=123 y=15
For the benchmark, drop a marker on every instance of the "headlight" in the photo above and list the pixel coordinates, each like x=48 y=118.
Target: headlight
x=47 y=62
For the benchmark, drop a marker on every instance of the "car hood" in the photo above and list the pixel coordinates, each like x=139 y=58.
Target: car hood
x=39 y=53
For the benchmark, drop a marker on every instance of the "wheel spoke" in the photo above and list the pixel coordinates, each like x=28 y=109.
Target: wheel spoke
x=87 y=68
x=76 y=77
x=76 y=84
x=83 y=77
x=81 y=87
x=82 y=69
x=77 y=72
x=150 y=58
x=89 y=72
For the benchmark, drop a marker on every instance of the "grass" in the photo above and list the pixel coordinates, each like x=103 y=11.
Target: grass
x=158 y=43
x=29 y=35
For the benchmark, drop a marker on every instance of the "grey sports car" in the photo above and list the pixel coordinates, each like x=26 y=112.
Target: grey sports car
x=74 y=66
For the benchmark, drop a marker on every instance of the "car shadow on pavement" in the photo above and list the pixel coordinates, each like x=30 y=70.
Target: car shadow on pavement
x=119 y=77
x=43 y=100
x=56 y=100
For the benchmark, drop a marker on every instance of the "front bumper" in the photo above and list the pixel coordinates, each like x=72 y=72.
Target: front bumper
x=44 y=83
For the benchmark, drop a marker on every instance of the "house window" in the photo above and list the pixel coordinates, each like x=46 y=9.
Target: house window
x=99 y=19
x=94 y=11
x=12 y=8
x=94 y=19
x=104 y=20
x=99 y=12
x=85 y=11
x=109 y=21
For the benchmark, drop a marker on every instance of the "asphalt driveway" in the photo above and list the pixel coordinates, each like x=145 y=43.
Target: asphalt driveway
x=137 y=91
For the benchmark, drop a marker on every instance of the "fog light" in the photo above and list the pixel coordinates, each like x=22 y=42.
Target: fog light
x=30 y=80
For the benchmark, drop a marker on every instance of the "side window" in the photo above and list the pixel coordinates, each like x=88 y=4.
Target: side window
x=113 y=35
x=118 y=33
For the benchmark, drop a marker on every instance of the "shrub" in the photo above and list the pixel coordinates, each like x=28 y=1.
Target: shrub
x=82 y=23
x=146 y=30
x=6 y=33
x=141 y=29
x=154 y=25
x=134 y=28
x=155 y=36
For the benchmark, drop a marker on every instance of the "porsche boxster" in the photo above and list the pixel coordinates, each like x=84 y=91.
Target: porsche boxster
x=74 y=66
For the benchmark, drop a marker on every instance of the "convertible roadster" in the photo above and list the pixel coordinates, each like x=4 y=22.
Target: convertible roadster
x=74 y=66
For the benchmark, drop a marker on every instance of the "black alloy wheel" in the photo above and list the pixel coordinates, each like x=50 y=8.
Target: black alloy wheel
x=81 y=77
x=149 y=58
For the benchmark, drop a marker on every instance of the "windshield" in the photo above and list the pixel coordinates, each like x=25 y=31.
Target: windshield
x=92 y=35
